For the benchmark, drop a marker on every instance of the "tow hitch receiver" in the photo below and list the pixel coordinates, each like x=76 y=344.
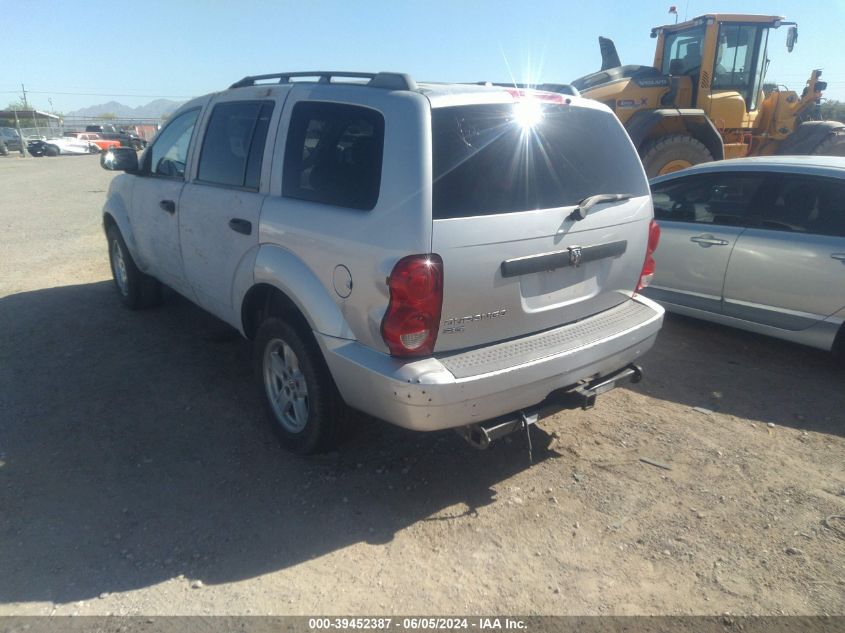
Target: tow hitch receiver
x=482 y=434
x=586 y=394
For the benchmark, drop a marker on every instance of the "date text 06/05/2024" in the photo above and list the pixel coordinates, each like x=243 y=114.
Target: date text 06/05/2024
x=417 y=623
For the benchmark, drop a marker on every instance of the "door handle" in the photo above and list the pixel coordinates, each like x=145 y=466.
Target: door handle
x=839 y=256
x=706 y=241
x=168 y=205
x=240 y=226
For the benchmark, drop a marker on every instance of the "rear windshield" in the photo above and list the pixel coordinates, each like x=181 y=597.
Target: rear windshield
x=502 y=158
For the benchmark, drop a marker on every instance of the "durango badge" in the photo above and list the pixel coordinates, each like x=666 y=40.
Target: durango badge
x=575 y=256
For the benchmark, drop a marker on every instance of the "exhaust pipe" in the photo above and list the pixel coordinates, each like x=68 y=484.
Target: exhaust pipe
x=482 y=434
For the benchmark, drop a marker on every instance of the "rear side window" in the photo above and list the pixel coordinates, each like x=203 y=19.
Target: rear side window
x=334 y=154
x=233 y=146
x=803 y=204
x=726 y=199
x=492 y=159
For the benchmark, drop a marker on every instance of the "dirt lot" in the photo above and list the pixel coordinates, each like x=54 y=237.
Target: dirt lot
x=138 y=476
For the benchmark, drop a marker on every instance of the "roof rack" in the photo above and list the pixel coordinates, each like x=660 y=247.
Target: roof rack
x=389 y=81
x=565 y=89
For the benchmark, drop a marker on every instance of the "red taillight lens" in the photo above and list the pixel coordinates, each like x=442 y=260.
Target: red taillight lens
x=647 y=273
x=410 y=325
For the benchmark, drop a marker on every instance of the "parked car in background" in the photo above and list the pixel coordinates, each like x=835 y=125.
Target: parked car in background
x=112 y=133
x=9 y=140
x=756 y=243
x=57 y=146
x=435 y=255
x=93 y=137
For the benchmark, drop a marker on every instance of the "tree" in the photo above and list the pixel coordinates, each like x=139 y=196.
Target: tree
x=109 y=116
x=16 y=105
x=832 y=110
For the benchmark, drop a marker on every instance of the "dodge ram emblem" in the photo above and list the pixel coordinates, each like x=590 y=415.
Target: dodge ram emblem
x=575 y=256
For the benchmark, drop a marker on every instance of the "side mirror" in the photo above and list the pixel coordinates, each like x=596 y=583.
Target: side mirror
x=791 y=38
x=119 y=159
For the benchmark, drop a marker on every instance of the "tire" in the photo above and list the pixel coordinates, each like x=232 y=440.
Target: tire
x=310 y=415
x=833 y=145
x=51 y=150
x=4 y=151
x=136 y=290
x=839 y=347
x=673 y=153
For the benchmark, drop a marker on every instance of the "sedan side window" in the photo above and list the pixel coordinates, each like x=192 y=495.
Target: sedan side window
x=169 y=154
x=724 y=199
x=804 y=204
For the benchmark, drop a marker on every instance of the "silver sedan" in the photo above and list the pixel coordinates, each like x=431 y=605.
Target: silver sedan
x=756 y=243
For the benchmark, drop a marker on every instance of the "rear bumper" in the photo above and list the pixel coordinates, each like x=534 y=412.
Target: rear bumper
x=459 y=389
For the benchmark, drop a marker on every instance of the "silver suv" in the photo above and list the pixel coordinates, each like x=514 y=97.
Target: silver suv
x=434 y=255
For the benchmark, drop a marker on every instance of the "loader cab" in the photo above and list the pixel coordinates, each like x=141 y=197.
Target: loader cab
x=740 y=61
x=725 y=59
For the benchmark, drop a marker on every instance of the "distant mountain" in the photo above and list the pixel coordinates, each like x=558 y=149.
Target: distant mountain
x=153 y=110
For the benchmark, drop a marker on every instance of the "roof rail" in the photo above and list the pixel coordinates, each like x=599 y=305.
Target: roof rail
x=565 y=89
x=389 y=81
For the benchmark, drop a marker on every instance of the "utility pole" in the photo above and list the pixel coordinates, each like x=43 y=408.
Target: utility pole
x=25 y=105
x=24 y=153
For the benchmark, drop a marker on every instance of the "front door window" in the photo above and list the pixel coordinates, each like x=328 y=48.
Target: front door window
x=169 y=153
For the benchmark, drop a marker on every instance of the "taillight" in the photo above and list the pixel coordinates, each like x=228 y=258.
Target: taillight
x=410 y=325
x=647 y=273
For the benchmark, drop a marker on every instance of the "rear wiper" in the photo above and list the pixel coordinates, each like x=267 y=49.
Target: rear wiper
x=580 y=212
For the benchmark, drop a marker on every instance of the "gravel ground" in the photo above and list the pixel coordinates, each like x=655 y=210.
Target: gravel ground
x=138 y=475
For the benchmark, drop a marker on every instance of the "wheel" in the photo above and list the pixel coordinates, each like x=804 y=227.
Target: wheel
x=4 y=151
x=301 y=399
x=673 y=153
x=51 y=150
x=833 y=145
x=136 y=290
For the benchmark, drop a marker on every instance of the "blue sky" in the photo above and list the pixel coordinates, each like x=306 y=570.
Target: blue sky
x=181 y=48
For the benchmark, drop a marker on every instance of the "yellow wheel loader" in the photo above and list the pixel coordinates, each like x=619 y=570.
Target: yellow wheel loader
x=703 y=99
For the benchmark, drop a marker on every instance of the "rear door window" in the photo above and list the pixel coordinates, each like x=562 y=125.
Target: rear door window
x=233 y=146
x=723 y=199
x=504 y=158
x=334 y=154
x=803 y=204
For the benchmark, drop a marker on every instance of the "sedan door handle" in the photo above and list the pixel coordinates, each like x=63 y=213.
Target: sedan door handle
x=168 y=205
x=839 y=256
x=706 y=241
x=240 y=226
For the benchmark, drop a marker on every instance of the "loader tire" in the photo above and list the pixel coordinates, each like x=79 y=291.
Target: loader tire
x=673 y=153
x=833 y=145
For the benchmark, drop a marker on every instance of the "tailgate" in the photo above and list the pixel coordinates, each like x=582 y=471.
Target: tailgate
x=514 y=260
